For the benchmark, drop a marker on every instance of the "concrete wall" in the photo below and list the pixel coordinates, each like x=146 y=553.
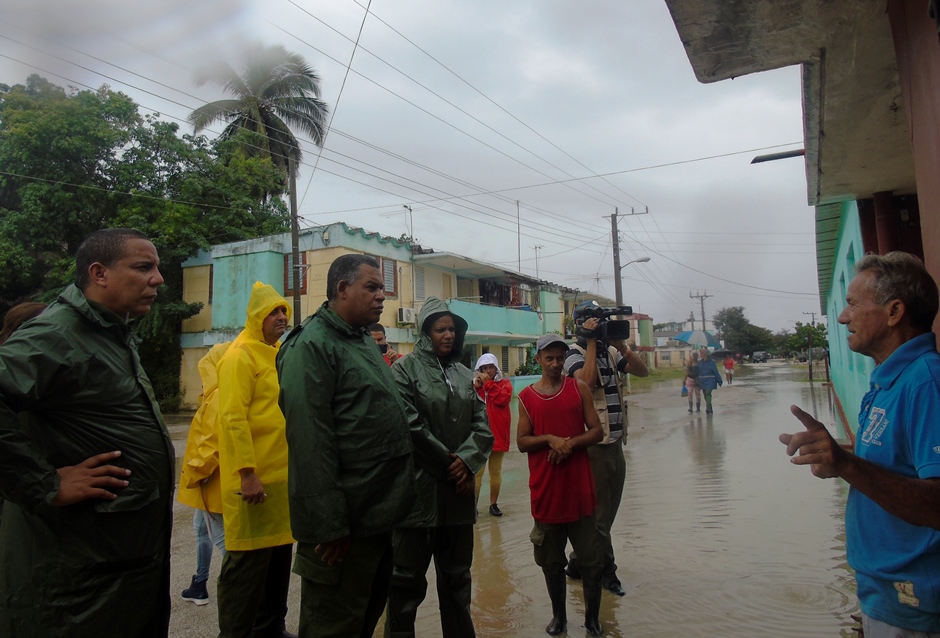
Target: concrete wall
x=918 y=61
x=849 y=370
x=196 y=283
x=232 y=281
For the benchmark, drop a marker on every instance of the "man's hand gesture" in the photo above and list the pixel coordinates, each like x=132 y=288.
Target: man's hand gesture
x=816 y=446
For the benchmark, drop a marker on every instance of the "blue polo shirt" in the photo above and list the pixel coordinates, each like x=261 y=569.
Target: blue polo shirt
x=897 y=565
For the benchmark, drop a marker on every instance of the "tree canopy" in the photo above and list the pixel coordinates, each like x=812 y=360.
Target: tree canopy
x=739 y=334
x=72 y=162
x=273 y=90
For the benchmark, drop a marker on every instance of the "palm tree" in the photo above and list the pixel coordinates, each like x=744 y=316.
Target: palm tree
x=274 y=89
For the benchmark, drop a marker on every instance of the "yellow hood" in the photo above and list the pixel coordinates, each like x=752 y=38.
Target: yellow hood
x=264 y=299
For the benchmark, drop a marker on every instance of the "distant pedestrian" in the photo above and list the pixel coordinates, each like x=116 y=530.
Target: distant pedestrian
x=709 y=378
x=691 y=383
x=496 y=391
x=557 y=424
x=729 y=368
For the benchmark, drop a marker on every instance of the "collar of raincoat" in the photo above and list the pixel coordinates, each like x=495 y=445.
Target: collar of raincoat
x=264 y=299
x=434 y=306
x=489 y=359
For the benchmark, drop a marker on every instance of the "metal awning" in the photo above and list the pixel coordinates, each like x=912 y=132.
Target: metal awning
x=499 y=338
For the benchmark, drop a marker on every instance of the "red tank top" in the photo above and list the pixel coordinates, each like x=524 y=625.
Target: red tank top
x=560 y=493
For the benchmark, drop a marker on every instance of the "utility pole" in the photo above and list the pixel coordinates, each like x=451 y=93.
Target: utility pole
x=537 y=249
x=518 y=239
x=296 y=271
x=809 y=358
x=615 y=240
x=701 y=297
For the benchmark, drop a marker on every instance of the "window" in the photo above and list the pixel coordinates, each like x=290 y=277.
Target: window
x=290 y=273
x=390 y=276
x=504 y=358
x=666 y=356
x=419 y=283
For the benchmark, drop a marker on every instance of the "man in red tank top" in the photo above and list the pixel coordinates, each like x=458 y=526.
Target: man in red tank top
x=557 y=423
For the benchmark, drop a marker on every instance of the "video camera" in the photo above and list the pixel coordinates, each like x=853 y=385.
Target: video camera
x=607 y=329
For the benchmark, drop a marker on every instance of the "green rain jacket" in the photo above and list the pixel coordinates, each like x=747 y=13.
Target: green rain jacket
x=96 y=568
x=445 y=416
x=350 y=469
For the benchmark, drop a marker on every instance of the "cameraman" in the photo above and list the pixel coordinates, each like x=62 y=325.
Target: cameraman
x=597 y=362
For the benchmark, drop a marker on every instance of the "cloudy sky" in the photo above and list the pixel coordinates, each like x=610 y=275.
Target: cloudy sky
x=487 y=117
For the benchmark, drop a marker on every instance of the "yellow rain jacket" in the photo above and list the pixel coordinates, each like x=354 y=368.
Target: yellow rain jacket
x=200 y=486
x=251 y=432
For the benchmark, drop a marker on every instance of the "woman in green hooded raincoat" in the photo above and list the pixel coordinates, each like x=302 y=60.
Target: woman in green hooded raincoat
x=452 y=442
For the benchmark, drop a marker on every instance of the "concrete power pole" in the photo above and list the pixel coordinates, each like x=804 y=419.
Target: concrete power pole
x=809 y=358
x=615 y=241
x=701 y=297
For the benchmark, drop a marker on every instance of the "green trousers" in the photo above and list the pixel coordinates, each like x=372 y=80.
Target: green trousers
x=252 y=592
x=451 y=546
x=610 y=472
x=345 y=599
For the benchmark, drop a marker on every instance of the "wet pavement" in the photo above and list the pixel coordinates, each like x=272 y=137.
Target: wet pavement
x=718 y=534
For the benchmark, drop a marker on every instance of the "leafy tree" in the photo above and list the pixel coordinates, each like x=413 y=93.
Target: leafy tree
x=800 y=341
x=739 y=334
x=75 y=162
x=274 y=89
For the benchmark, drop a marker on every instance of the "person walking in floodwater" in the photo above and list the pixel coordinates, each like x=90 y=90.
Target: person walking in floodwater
x=691 y=383
x=709 y=378
x=728 y=364
x=553 y=413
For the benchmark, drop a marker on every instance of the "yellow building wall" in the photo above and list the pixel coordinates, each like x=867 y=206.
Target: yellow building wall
x=196 y=283
x=190 y=382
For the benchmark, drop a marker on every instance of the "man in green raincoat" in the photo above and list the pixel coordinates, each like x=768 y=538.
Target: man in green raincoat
x=452 y=442
x=349 y=453
x=88 y=466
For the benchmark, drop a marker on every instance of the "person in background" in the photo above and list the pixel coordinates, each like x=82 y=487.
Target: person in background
x=709 y=378
x=17 y=315
x=691 y=383
x=496 y=391
x=199 y=485
x=378 y=335
x=892 y=517
x=255 y=575
x=451 y=443
x=88 y=469
x=729 y=368
x=557 y=424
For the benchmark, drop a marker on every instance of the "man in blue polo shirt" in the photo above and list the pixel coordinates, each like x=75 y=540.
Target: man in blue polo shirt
x=892 y=516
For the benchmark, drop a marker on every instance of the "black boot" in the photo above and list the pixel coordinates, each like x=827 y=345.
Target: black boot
x=557 y=593
x=592 y=606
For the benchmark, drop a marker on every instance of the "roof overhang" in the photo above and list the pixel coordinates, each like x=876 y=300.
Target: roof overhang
x=468 y=268
x=855 y=130
x=499 y=338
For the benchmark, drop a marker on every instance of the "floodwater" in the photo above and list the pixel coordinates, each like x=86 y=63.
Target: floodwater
x=718 y=534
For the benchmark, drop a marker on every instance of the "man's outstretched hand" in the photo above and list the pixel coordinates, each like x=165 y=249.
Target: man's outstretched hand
x=816 y=447
x=92 y=478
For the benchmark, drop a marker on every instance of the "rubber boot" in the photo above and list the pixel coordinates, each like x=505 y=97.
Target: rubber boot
x=592 y=606
x=557 y=592
x=698 y=407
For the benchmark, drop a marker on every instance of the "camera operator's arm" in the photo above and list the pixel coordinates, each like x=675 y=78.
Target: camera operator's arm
x=631 y=362
x=588 y=372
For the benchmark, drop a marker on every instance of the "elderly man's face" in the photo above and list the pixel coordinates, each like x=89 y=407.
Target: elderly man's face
x=131 y=282
x=274 y=325
x=866 y=319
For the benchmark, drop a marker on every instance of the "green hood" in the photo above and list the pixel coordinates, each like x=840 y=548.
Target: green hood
x=432 y=309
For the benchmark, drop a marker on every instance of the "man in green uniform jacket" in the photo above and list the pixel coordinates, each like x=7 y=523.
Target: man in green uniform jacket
x=350 y=471
x=452 y=442
x=88 y=467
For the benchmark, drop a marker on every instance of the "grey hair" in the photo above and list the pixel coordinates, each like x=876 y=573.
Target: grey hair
x=346 y=268
x=900 y=275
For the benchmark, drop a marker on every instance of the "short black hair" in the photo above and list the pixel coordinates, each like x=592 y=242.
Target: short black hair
x=104 y=247
x=346 y=268
x=377 y=327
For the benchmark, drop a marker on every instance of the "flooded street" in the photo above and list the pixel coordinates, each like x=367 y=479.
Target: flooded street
x=718 y=534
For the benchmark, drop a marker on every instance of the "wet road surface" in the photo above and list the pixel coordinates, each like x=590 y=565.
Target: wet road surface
x=718 y=534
